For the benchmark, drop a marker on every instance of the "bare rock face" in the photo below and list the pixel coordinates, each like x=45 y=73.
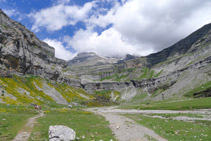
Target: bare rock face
x=22 y=52
x=61 y=133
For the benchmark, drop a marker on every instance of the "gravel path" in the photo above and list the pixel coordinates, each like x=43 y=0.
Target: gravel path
x=127 y=130
x=182 y=118
x=134 y=111
x=124 y=128
x=24 y=134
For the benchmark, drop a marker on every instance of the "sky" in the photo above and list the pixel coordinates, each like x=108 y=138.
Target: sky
x=111 y=28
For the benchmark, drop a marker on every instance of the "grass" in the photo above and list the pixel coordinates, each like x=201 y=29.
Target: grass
x=149 y=74
x=199 y=89
x=103 y=98
x=87 y=124
x=174 y=130
x=12 y=119
x=199 y=103
x=116 y=77
x=139 y=97
x=32 y=89
x=178 y=114
x=107 y=94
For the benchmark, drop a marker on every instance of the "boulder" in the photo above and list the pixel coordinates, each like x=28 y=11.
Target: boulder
x=61 y=133
x=70 y=106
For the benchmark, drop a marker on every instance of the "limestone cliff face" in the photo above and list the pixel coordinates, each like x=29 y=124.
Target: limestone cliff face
x=179 y=48
x=88 y=66
x=22 y=52
x=172 y=72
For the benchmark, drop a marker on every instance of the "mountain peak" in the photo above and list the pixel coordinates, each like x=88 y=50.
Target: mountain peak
x=90 y=58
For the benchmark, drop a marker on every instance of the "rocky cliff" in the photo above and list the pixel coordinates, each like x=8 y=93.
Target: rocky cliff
x=173 y=72
x=22 y=53
x=182 y=69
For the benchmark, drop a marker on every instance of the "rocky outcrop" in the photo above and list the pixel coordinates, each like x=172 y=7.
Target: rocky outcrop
x=205 y=93
x=61 y=133
x=167 y=82
x=23 y=53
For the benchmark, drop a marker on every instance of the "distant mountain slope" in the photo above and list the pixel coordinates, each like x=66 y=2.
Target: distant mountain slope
x=179 y=48
x=90 y=59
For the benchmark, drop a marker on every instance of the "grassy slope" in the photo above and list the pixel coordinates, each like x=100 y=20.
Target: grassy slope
x=92 y=126
x=200 y=88
x=124 y=75
x=174 y=130
x=32 y=91
x=199 y=103
x=12 y=119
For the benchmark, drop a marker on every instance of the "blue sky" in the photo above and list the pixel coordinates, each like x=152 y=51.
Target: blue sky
x=109 y=27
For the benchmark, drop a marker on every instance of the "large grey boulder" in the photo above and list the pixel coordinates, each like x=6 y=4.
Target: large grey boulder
x=61 y=133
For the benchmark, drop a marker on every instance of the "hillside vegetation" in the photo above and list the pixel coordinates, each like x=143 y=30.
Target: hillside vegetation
x=36 y=90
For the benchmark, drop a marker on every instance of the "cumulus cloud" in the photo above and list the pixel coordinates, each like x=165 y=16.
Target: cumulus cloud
x=136 y=26
x=160 y=23
x=10 y=12
x=58 y=16
x=108 y=43
x=60 y=50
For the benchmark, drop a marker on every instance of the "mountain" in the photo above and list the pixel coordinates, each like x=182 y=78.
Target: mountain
x=87 y=63
x=30 y=72
x=181 y=69
x=181 y=47
x=90 y=58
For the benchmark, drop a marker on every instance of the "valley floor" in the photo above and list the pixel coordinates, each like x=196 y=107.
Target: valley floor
x=106 y=123
x=122 y=122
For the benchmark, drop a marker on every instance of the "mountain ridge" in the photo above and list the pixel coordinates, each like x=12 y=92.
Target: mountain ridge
x=173 y=72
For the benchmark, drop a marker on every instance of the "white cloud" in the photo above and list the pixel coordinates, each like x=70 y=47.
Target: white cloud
x=10 y=12
x=160 y=23
x=109 y=43
x=60 y=51
x=137 y=26
x=58 y=16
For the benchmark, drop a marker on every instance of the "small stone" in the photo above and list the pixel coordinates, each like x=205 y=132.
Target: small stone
x=83 y=137
x=77 y=138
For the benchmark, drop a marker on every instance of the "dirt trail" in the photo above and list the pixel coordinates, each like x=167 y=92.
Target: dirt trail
x=24 y=134
x=126 y=129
